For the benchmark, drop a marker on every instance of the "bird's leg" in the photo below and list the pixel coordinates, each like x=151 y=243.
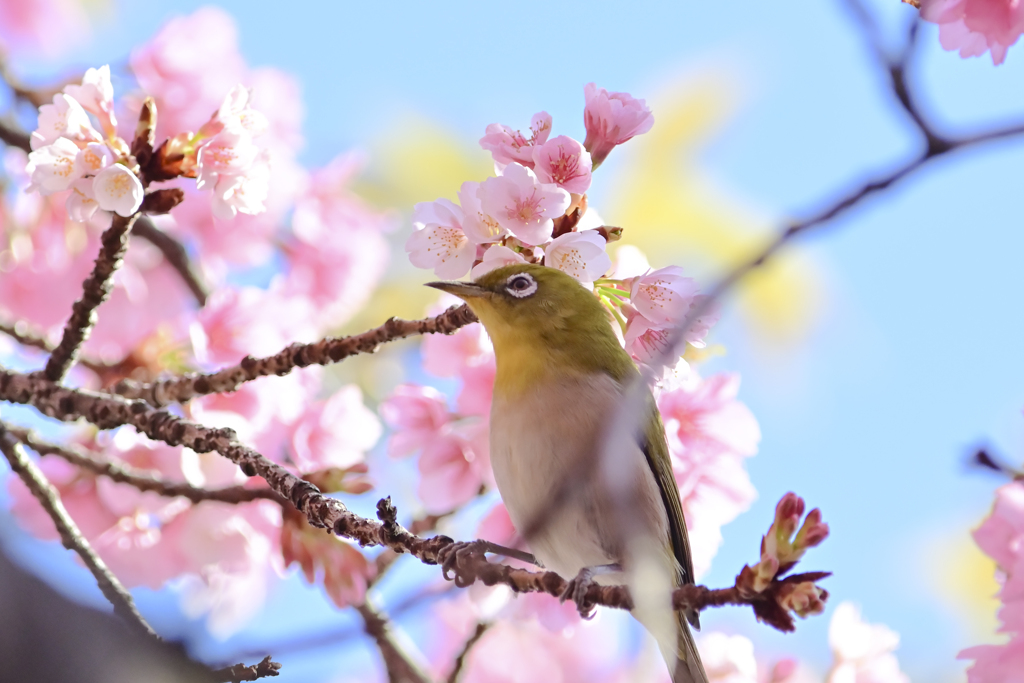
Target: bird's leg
x=452 y=555
x=576 y=589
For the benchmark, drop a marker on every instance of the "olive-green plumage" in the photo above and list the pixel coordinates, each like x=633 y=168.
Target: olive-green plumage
x=560 y=371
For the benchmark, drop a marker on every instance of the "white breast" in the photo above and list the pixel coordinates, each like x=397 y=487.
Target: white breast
x=550 y=434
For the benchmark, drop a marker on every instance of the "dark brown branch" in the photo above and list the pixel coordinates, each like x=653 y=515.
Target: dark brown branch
x=144 y=482
x=253 y=672
x=95 y=290
x=460 y=660
x=108 y=411
x=324 y=352
x=400 y=668
x=14 y=136
x=175 y=254
x=70 y=535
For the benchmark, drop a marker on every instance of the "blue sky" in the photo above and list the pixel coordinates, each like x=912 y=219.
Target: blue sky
x=916 y=354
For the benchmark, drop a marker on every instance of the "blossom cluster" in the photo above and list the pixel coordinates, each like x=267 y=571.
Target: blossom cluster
x=1001 y=537
x=327 y=250
x=975 y=27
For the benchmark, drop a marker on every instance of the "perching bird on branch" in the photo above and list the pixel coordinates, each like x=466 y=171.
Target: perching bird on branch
x=561 y=372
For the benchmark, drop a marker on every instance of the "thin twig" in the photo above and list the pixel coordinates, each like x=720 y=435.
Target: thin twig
x=24 y=335
x=175 y=255
x=95 y=290
x=14 y=136
x=460 y=660
x=70 y=536
x=144 y=482
x=252 y=672
x=400 y=668
x=324 y=352
x=108 y=411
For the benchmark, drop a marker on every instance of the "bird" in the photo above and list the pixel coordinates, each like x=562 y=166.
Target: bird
x=561 y=371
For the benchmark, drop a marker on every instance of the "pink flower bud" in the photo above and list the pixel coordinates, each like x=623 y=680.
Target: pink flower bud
x=802 y=598
x=813 y=532
x=508 y=146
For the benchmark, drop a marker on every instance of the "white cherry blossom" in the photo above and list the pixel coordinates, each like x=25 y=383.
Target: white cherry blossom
x=96 y=95
x=65 y=118
x=495 y=257
x=92 y=159
x=480 y=227
x=52 y=167
x=663 y=296
x=117 y=189
x=244 y=193
x=580 y=254
x=438 y=241
x=82 y=204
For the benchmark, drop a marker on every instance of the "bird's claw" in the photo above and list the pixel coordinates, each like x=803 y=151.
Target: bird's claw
x=454 y=559
x=576 y=590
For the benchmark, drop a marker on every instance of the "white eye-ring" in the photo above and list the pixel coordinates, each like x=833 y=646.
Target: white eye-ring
x=521 y=285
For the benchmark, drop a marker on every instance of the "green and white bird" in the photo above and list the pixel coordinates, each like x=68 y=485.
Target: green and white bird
x=561 y=373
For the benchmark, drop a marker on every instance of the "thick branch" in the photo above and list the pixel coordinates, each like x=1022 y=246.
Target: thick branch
x=400 y=668
x=460 y=660
x=141 y=480
x=95 y=290
x=14 y=136
x=70 y=535
x=175 y=254
x=253 y=672
x=324 y=352
x=108 y=411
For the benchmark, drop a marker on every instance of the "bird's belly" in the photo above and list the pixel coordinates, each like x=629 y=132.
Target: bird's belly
x=540 y=439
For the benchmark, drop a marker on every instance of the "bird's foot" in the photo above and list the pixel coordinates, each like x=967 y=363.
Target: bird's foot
x=576 y=589
x=455 y=559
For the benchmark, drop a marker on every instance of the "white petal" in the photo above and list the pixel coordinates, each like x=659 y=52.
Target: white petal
x=118 y=190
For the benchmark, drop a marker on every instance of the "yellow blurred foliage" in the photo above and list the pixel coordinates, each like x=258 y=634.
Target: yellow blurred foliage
x=964 y=577
x=671 y=210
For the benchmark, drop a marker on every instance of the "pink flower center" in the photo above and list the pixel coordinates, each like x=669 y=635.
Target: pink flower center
x=527 y=209
x=565 y=167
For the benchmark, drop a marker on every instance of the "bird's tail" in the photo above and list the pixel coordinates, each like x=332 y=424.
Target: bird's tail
x=683 y=660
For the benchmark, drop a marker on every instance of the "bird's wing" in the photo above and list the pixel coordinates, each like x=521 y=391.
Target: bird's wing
x=655 y=448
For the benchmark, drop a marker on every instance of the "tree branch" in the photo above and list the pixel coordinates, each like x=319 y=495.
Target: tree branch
x=253 y=672
x=108 y=411
x=24 y=335
x=175 y=254
x=460 y=660
x=70 y=535
x=95 y=290
x=400 y=668
x=324 y=352
x=141 y=480
x=14 y=136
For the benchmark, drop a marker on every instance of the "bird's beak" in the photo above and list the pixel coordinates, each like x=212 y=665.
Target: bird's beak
x=463 y=290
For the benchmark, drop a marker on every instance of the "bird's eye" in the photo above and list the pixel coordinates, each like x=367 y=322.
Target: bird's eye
x=521 y=285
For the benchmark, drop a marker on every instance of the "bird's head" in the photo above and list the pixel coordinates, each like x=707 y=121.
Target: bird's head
x=539 y=315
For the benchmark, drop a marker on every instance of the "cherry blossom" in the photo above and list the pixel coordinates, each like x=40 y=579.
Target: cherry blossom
x=417 y=414
x=92 y=159
x=564 y=162
x=50 y=27
x=480 y=227
x=727 y=659
x=509 y=146
x=449 y=355
x=663 y=296
x=96 y=95
x=438 y=241
x=580 y=254
x=82 y=205
x=863 y=652
x=522 y=204
x=612 y=119
x=976 y=26
x=334 y=433
x=52 y=168
x=453 y=467
x=65 y=118
x=230 y=152
x=117 y=189
x=495 y=257
x=245 y=192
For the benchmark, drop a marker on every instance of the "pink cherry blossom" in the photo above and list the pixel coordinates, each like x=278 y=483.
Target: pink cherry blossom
x=230 y=152
x=417 y=414
x=447 y=355
x=564 y=162
x=50 y=27
x=727 y=659
x=174 y=67
x=245 y=192
x=117 y=189
x=707 y=417
x=522 y=204
x=580 y=254
x=343 y=570
x=52 y=167
x=995 y=663
x=96 y=95
x=82 y=204
x=976 y=26
x=863 y=652
x=495 y=257
x=480 y=227
x=334 y=433
x=612 y=119
x=235 y=114
x=65 y=118
x=438 y=241
x=644 y=340
x=477 y=389
x=663 y=296
x=509 y=146
x=453 y=467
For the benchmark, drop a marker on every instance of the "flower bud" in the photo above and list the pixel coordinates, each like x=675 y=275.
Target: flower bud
x=802 y=598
